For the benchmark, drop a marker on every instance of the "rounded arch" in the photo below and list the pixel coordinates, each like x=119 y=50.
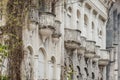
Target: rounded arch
x=43 y=51
x=42 y=63
x=86 y=21
x=27 y=64
x=78 y=14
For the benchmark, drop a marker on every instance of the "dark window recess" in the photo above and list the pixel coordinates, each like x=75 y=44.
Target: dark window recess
x=118 y=21
x=79 y=70
x=86 y=71
x=86 y=61
x=115 y=20
x=53 y=6
x=93 y=75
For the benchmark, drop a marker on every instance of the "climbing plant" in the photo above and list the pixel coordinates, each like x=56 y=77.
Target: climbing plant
x=15 y=12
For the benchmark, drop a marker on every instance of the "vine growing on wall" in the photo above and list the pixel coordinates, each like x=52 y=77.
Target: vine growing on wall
x=15 y=12
x=3 y=56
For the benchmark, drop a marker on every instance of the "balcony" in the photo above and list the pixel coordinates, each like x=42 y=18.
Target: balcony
x=46 y=24
x=90 y=49
x=56 y=35
x=104 y=58
x=72 y=38
x=82 y=48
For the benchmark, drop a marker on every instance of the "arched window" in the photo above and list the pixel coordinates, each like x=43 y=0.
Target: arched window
x=79 y=73
x=78 y=14
x=41 y=64
x=85 y=20
x=78 y=19
x=118 y=19
x=93 y=26
x=86 y=25
x=93 y=31
x=86 y=70
x=52 y=68
x=27 y=64
x=69 y=17
x=100 y=32
x=69 y=9
x=93 y=75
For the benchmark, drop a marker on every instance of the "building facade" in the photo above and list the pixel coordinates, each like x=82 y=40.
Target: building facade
x=65 y=40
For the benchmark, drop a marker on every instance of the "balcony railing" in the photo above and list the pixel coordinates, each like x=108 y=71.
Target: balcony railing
x=46 y=19
x=90 y=49
x=97 y=53
x=46 y=24
x=90 y=46
x=104 y=57
x=72 y=38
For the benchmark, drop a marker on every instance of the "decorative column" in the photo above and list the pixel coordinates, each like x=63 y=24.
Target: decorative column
x=74 y=64
x=35 y=67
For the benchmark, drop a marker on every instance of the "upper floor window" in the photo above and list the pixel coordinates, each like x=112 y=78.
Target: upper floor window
x=78 y=14
x=93 y=75
x=69 y=16
x=115 y=20
x=118 y=20
x=85 y=20
x=93 y=26
x=94 y=13
x=100 y=33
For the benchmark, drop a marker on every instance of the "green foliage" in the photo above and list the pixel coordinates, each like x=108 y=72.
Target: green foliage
x=4 y=78
x=3 y=56
x=3 y=51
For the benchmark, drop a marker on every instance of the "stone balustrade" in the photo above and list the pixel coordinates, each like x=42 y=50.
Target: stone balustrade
x=46 y=19
x=104 y=57
x=46 y=24
x=90 y=49
x=72 y=38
